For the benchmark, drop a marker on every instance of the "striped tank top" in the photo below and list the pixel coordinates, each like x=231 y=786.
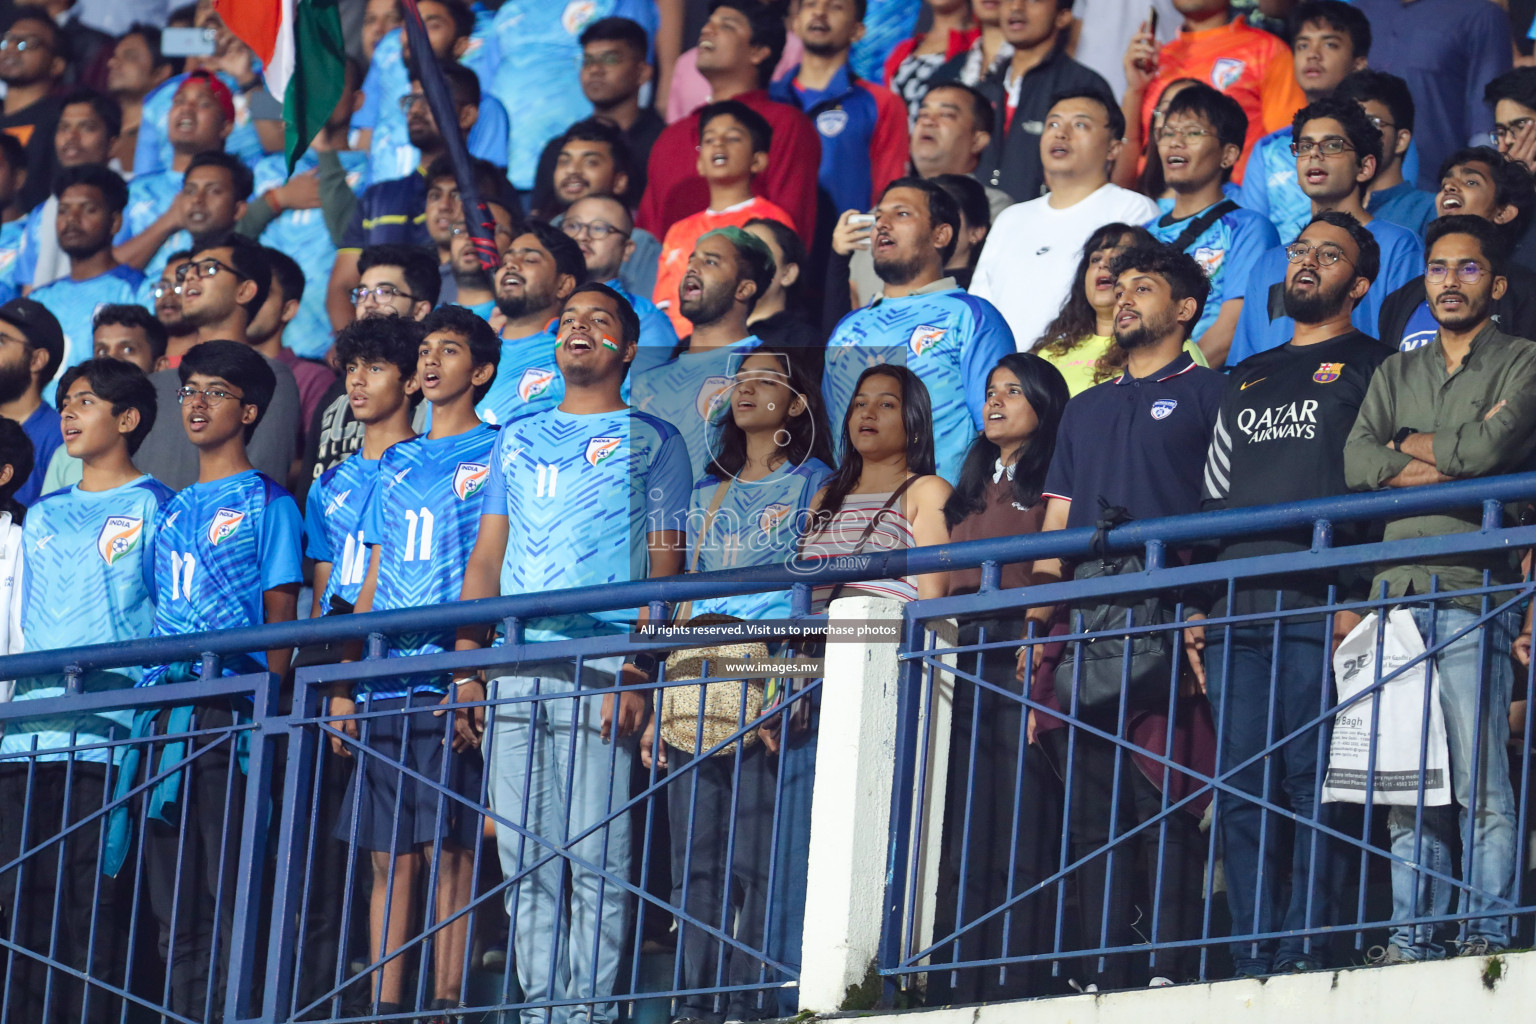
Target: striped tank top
x=841 y=537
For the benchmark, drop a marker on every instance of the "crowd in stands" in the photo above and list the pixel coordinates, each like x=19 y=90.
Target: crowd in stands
x=775 y=278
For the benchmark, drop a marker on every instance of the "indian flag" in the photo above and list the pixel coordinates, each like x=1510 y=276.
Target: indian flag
x=302 y=55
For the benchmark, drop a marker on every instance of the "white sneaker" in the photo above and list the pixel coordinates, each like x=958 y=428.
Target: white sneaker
x=1078 y=986
x=1159 y=982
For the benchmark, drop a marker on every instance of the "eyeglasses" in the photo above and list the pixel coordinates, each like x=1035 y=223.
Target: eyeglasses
x=1469 y=272
x=409 y=101
x=1511 y=130
x=21 y=44
x=382 y=293
x=1186 y=134
x=1381 y=123
x=1327 y=147
x=162 y=289
x=204 y=268
x=1326 y=255
x=210 y=396
x=597 y=230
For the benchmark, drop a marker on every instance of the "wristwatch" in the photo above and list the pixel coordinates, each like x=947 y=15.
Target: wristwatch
x=1401 y=436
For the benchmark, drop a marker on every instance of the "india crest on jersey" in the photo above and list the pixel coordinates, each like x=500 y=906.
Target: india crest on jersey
x=711 y=401
x=600 y=448
x=924 y=338
x=469 y=478
x=225 y=522
x=535 y=381
x=119 y=535
x=772 y=516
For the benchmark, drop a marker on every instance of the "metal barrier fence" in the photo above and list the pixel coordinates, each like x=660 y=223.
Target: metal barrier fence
x=211 y=864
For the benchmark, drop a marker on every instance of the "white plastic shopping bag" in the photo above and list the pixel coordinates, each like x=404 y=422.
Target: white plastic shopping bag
x=1400 y=762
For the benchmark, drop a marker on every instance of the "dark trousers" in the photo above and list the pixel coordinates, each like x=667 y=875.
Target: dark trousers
x=190 y=869
x=1002 y=833
x=730 y=896
x=56 y=901
x=331 y=878
x=1264 y=892
x=1119 y=887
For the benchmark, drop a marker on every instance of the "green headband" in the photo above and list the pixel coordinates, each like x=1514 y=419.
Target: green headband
x=741 y=238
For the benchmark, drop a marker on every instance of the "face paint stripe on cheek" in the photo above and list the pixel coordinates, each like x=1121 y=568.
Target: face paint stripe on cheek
x=610 y=344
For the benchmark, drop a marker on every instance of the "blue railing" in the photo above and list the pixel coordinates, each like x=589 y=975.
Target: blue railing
x=288 y=907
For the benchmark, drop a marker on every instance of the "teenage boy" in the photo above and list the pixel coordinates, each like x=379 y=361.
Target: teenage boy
x=538 y=273
x=561 y=766
x=91 y=200
x=87 y=578
x=420 y=525
x=1199 y=142
x=227 y=556
x=733 y=149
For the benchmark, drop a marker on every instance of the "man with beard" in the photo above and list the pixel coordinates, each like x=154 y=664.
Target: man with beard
x=538 y=273
x=922 y=321
x=91 y=200
x=395 y=211
x=1280 y=439
x=212 y=200
x=31 y=345
x=444 y=210
x=223 y=287
x=474 y=288
x=1463 y=406
x=1137 y=443
x=165 y=301
x=727 y=272
x=602 y=227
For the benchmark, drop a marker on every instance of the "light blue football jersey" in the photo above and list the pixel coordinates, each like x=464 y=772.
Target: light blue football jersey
x=538 y=76
x=221 y=546
x=656 y=330
x=950 y=339
x=149 y=196
x=527 y=379
x=303 y=235
x=88 y=577
x=42 y=217
x=692 y=392
x=153 y=151
x=12 y=240
x=886 y=23
x=759 y=522
x=1226 y=251
x=333 y=525
x=424 y=516
x=74 y=304
x=580 y=493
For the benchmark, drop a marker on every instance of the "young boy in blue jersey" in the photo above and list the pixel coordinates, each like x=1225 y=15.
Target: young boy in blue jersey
x=227 y=556
x=87 y=578
x=420 y=525
x=589 y=493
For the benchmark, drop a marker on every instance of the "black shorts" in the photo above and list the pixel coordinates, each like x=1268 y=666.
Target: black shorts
x=395 y=812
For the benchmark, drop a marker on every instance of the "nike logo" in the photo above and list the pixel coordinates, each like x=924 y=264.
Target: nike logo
x=42 y=541
x=401 y=475
x=1245 y=385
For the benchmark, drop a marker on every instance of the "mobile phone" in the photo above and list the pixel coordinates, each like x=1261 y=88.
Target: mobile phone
x=1152 y=22
x=187 y=42
x=862 y=220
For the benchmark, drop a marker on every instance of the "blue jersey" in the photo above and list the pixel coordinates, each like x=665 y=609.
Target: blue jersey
x=149 y=196
x=88 y=577
x=1419 y=331
x=580 y=493
x=303 y=235
x=221 y=546
x=1270 y=187
x=951 y=340
x=527 y=379
x=759 y=522
x=12 y=238
x=656 y=330
x=1405 y=205
x=153 y=151
x=41 y=218
x=390 y=153
x=74 y=304
x=1226 y=251
x=885 y=24
x=693 y=393
x=424 y=516
x=1264 y=325
x=333 y=525
x=538 y=76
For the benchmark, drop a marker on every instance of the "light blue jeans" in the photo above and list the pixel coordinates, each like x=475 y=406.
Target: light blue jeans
x=1476 y=679
x=551 y=774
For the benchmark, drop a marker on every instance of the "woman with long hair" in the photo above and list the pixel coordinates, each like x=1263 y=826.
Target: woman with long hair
x=779 y=318
x=1014 y=829
x=771 y=458
x=1080 y=341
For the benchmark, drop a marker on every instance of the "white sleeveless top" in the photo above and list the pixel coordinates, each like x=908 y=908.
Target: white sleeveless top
x=841 y=536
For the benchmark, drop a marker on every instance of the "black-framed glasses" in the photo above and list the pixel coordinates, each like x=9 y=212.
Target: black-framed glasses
x=382 y=293
x=210 y=396
x=1469 y=272
x=162 y=289
x=1515 y=127
x=1326 y=255
x=206 y=267
x=1328 y=147
x=597 y=230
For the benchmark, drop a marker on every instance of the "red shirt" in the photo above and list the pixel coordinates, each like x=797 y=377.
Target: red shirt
x=685 y=234
x=675 y=190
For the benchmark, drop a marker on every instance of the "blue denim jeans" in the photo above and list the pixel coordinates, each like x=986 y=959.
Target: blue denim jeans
x=1252 y=715
x=551 y=774
x=1476 y=678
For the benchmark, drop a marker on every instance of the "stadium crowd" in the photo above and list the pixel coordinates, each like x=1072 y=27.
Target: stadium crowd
x=776 y=278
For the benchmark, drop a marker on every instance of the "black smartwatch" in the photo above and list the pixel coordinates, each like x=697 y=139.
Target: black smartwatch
x=1401 y=436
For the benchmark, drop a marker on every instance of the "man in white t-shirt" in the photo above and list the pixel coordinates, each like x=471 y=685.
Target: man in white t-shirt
x=1030 y=261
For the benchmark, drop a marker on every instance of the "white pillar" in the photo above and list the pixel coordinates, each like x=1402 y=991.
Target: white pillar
x=851 y=810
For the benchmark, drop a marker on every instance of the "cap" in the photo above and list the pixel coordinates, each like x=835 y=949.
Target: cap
x=217 y=87
x=40 y=326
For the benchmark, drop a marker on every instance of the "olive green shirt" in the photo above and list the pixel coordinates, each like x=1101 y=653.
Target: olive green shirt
x=1413 y=389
